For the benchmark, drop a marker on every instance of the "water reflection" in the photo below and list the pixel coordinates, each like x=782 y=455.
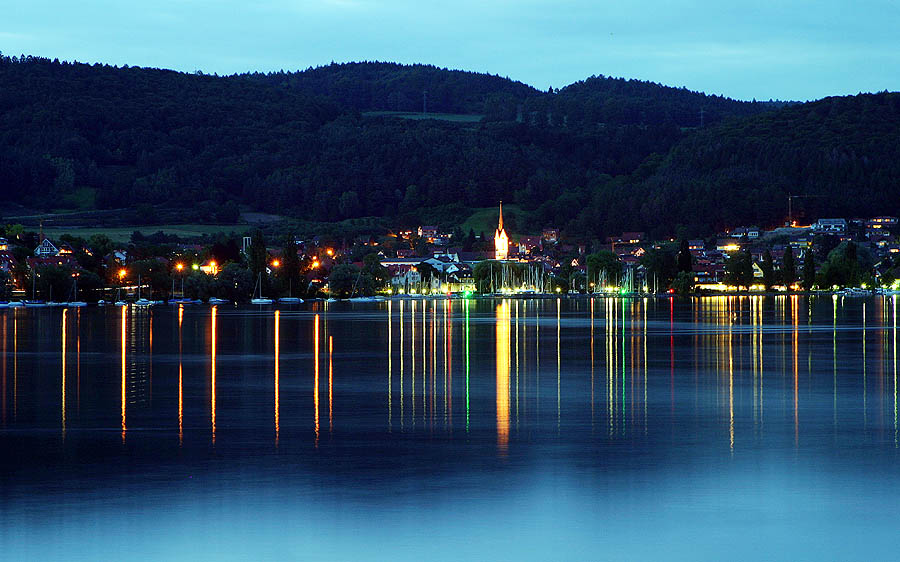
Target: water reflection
x=124 y=335
x=277 y=376
x=390 y=358
x=502 y=344
x=330 y=383
x=316 y=377
x=213 y=331
x=3 y=376
x=180 y=375
x=894 y=358
x=626 y=368
x=63 y=384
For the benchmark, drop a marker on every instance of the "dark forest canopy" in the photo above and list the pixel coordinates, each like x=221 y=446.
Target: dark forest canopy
x=596 y=157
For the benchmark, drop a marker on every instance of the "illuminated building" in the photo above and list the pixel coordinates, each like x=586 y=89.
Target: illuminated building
x=209 y=267
x=501 y=240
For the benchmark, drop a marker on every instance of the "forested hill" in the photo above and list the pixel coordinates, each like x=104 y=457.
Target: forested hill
x=332 y=142
x=125 y=136
x=596 y=102
x=841 y=155
x=383 y=86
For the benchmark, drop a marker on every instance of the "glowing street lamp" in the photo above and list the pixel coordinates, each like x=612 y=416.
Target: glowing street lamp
x=179 y=266
x=276 y=263
x=122 y=274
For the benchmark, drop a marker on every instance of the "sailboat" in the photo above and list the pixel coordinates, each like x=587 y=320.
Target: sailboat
x=353 y=292
x=52 y=302
x=290 y=299
x=141 y=301
x=75 y=302
x=258 y=290
x=34 y=302
x=183 y=299
x=172 y=298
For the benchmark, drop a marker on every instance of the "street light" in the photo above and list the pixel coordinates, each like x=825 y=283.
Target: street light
x=276 y=263
x=122 y=274
x=180 y=267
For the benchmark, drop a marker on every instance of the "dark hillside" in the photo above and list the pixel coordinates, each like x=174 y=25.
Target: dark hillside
x=842 y=152
x=596 y=157
x=385 y=86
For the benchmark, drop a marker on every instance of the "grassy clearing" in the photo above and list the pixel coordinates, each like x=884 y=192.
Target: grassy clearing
x=82 y=199
x=123 y=234
x=453 y=117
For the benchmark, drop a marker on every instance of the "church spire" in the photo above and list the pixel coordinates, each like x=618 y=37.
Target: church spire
x=501 y=240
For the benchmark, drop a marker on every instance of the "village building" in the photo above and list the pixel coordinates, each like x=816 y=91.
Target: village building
x=52 y=261
x=7 y=261
x=627 y=238
x=428 y=233
x=831 y=226
x=529 y=245
x=728 y=244
x=550 y=235
x=46 y=249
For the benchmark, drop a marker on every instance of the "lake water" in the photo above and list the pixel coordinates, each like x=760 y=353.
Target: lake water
x=731 y=428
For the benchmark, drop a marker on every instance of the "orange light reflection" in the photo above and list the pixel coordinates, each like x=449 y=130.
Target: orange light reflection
x=316 y=375
x=503 y=319
x=124 y=425
x=277 y=378
x=212 y=374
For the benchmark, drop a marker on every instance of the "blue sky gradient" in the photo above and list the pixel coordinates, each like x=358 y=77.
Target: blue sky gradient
x=762 y=49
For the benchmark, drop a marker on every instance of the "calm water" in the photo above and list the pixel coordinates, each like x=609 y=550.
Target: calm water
x=718 y=428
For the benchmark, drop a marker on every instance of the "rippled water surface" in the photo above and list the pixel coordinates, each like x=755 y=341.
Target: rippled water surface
x=718 y=428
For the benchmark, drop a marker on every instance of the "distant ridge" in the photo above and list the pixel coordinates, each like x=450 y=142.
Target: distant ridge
x=595 y=157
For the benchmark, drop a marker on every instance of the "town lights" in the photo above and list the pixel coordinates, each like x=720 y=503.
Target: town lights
x=329 y=251
x=122 y=274
x=276 y=263
x=195 y=267
x=179 y=266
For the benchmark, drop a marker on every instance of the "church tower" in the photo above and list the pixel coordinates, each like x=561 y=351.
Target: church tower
x=501 y=240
